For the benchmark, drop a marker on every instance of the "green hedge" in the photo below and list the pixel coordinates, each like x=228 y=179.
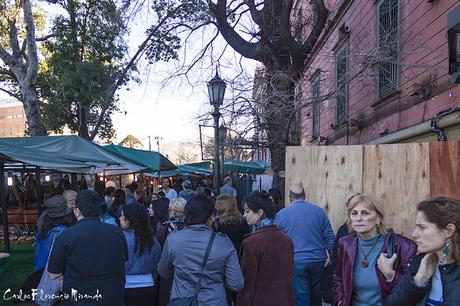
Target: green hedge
x=16 y=268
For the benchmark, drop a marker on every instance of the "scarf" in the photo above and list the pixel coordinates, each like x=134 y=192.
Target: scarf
x=262 y=223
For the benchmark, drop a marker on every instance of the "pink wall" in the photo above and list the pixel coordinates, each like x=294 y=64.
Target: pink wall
x=423 y=57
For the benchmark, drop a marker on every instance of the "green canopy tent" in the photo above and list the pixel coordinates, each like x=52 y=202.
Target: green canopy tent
x=62 y=153
x=249 y=167
x=204 y=168
x=152 y=161
x=65 y=153
x=200 y=169
x=15 y=155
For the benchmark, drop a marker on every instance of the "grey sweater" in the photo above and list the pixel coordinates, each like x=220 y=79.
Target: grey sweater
x=366 y=287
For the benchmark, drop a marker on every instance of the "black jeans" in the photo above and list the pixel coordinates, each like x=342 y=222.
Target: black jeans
x=144 y=296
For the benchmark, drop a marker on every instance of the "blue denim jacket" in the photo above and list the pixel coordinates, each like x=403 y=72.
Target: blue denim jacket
x=43 y=246
x=141 y=264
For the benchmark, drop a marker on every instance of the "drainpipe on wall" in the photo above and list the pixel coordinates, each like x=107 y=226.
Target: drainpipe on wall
x=449 y=118
x=439 y=131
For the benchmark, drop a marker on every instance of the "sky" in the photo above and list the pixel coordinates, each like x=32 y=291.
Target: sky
x=149 y=109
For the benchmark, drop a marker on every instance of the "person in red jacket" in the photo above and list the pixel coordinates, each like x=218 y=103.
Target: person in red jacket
x=366 y=273
x=267 y=257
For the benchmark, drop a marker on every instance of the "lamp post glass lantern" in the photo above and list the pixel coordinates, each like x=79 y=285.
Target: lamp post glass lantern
x=216 y=92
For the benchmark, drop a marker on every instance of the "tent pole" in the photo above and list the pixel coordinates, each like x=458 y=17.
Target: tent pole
x=6 y=232
x=73 y=178
x=39 y=192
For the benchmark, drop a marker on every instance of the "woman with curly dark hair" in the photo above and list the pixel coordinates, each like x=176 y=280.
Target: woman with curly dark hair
x=433 y=276
x=143 y=256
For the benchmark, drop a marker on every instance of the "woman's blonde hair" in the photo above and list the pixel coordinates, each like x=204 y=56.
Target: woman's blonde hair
x=176 y=206
x=371 y=203
x=227 y=210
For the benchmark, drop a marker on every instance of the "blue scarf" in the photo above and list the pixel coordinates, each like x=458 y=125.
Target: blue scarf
x=262 y=223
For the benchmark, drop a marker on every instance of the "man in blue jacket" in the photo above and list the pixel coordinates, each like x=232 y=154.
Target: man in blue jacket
x=310 y=230
x=90 y=256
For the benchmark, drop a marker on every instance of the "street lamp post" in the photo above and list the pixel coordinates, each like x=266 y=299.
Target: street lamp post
x=222 y=136
x=216 y=91
x=158 y=142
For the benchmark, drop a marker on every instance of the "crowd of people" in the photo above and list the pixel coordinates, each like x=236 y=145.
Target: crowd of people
x=186 y=247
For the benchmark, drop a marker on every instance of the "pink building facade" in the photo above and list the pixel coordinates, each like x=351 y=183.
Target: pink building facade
x=380 y=74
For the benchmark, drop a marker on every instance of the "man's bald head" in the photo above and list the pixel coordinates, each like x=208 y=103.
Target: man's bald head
x=70 y=196
x=296 y=192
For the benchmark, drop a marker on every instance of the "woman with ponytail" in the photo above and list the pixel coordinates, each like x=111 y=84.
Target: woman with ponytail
x=433 y=276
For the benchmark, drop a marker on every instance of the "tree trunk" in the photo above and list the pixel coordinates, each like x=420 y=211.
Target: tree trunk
x=24 y=66
x=280 y=113
x=32 y=110
x=83 y=122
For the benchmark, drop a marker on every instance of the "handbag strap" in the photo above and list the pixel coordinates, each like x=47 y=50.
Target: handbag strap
x=51 y=249
x=206 y=256
x=390 y=245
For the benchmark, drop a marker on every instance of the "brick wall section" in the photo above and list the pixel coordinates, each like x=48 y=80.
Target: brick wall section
x=12 y=121
x=423 y=57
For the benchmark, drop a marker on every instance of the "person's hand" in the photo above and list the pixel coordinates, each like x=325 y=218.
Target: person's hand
x=328 y=259
x=386 y=265
x=426 y=269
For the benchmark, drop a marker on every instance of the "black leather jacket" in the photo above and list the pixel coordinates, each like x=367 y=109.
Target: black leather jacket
x=408 y=294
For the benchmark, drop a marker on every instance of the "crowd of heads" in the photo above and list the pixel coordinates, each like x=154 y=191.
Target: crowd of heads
x=365 y=213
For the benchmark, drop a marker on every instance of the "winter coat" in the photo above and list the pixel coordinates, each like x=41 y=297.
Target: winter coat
x=182 y=258
x=408 y=294
x=236 y=232
x=343 y=277
x=267 y=262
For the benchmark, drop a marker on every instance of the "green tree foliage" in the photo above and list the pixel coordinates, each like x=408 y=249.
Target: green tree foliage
x=84 y=62
x=131 y=142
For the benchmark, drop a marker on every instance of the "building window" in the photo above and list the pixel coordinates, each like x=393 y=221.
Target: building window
x=388 y=44
x=341 y=59
x=315 y=93
x=453 y=39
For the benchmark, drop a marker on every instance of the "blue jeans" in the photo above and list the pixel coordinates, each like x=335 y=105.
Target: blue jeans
x=307 y=283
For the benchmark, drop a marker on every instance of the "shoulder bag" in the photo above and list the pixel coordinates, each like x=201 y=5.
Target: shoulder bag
x=193 y=300
x=48 y=288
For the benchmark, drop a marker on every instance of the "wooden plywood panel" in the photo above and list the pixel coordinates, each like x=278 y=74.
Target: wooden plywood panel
x=330 y=175
x=399 y=176
x=445 y=169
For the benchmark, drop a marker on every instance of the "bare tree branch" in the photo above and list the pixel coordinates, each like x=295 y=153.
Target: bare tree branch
x=14 y=95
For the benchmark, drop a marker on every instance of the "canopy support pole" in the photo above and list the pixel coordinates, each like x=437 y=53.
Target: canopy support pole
x=6 y=232
x=39 y=191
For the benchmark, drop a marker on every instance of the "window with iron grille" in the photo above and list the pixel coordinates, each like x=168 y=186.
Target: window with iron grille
x=388 y=44
x=341 y=59
x=315 y=107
